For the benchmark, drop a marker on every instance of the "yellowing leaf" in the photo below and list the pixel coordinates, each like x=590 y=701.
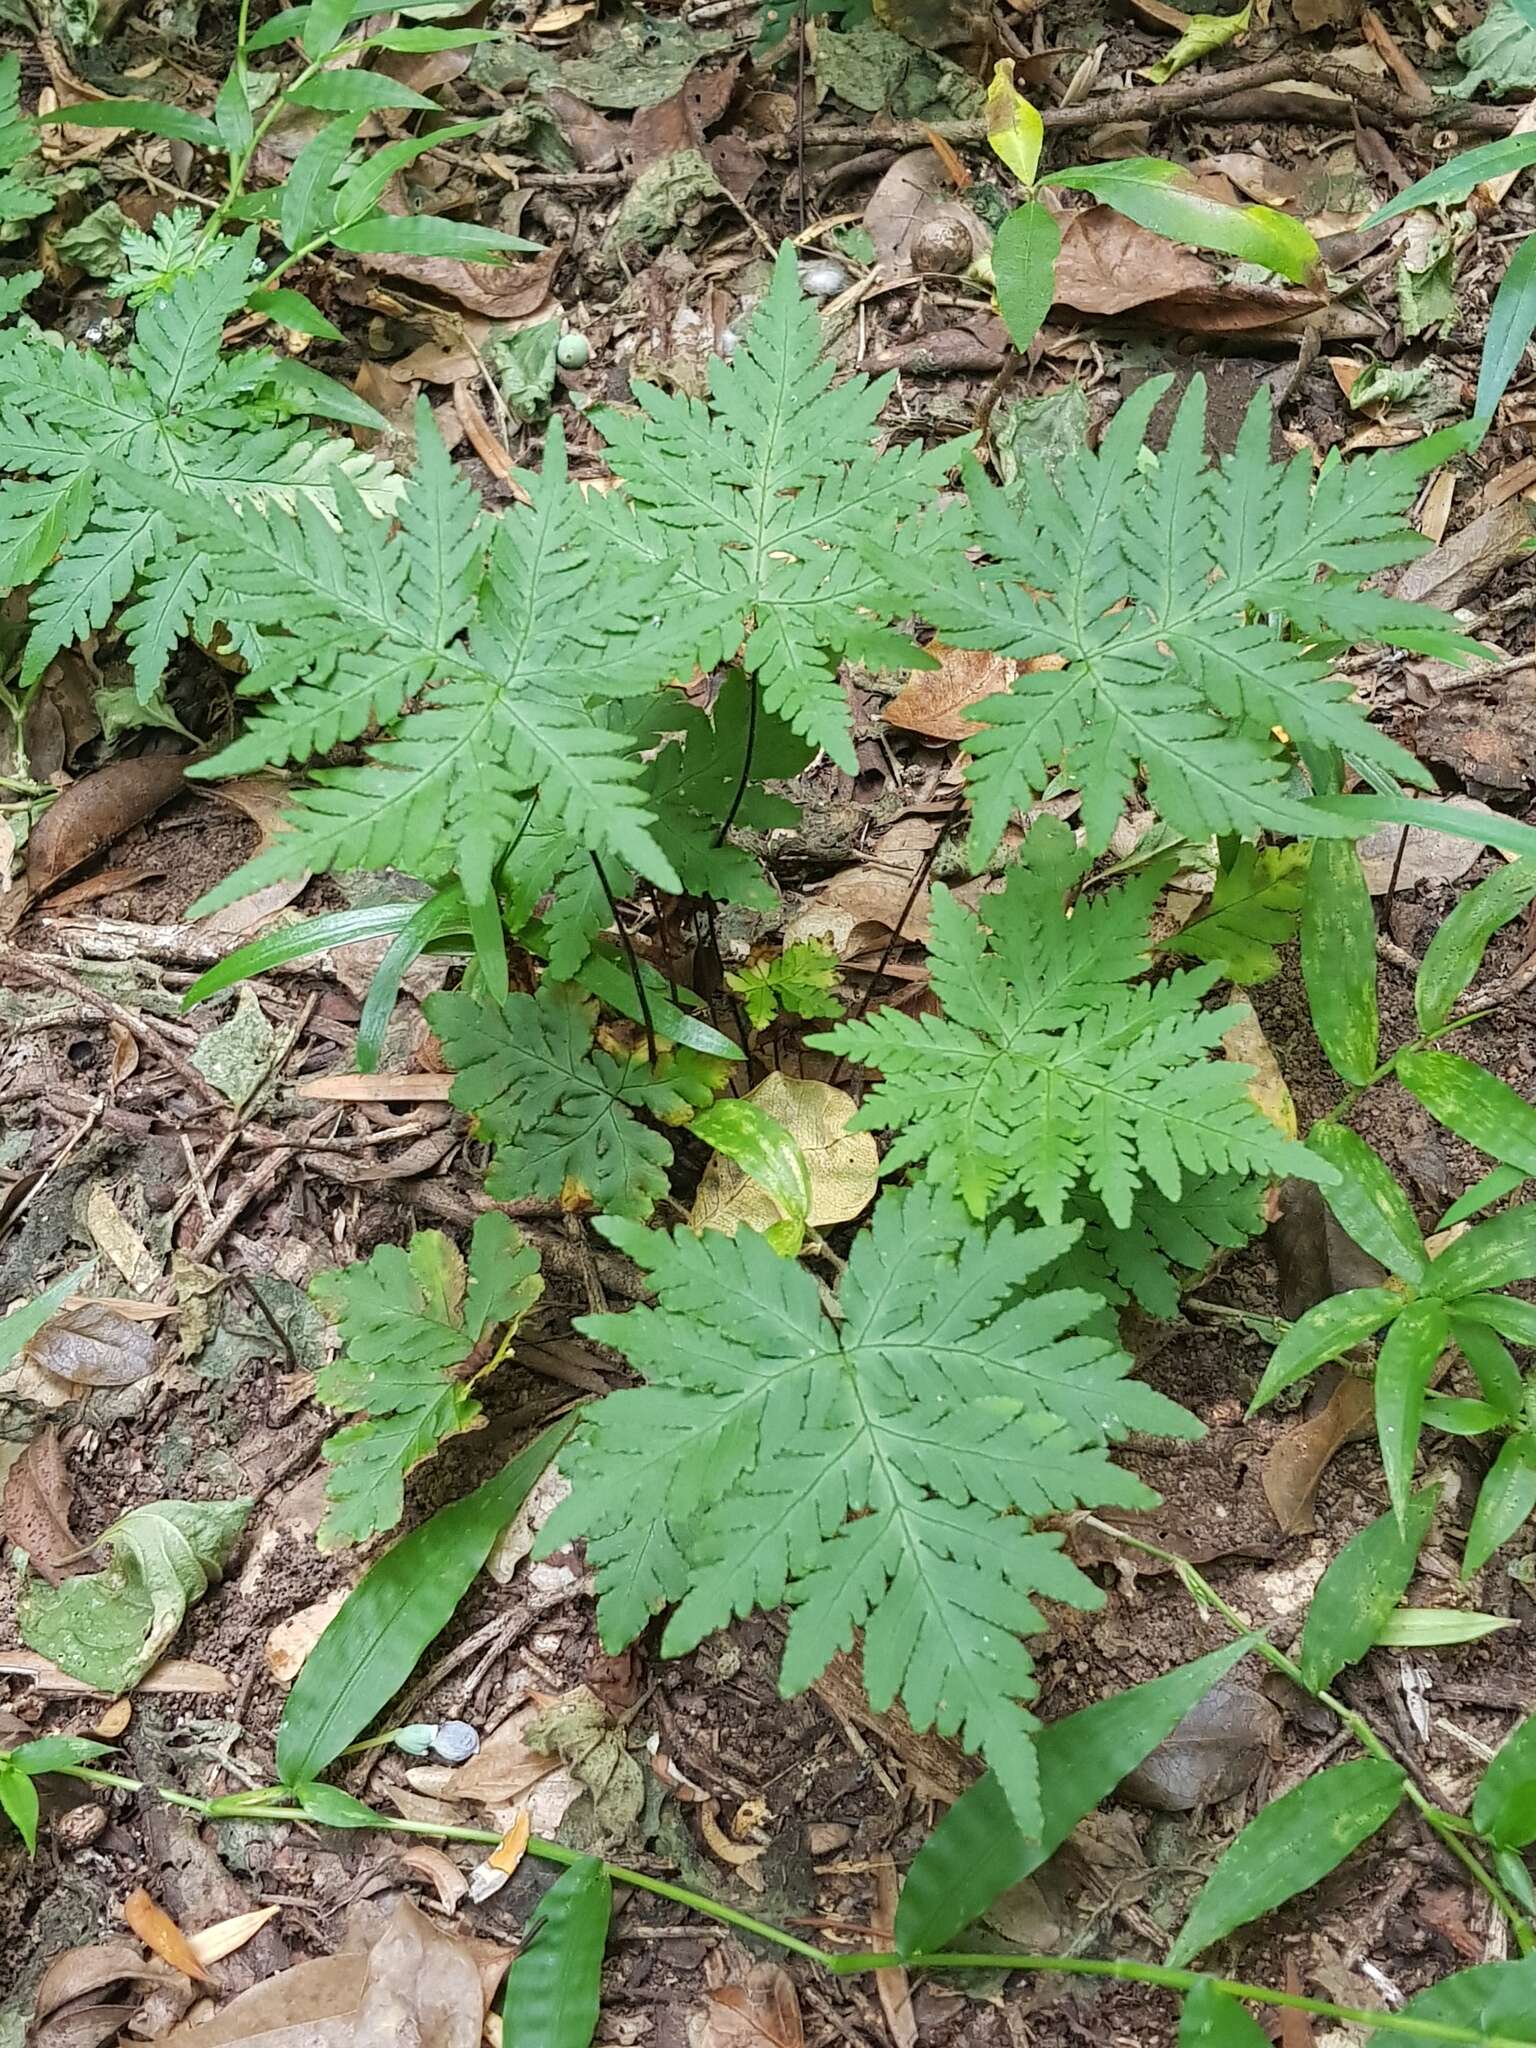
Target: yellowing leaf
x=158 y=1931
x=1014 y=129
x=1205 y=33
x=844 y=1166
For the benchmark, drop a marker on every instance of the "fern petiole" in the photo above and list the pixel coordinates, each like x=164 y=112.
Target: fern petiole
x=746 y=761
x=630 y=960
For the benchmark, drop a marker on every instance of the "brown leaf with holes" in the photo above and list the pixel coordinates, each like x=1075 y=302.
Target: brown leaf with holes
x=96 y=810
x=158 y=1931
x=34 y=1510
x=758 y=2010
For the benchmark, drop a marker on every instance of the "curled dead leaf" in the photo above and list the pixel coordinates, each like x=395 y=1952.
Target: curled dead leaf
x=933 y=701
x=440 y=1871
x=737 y=1854
x=80 y=1971
x=35 y=1507
x=158 y=1931
x=224 y=1937
x=1294 y=1467
x=97 y=809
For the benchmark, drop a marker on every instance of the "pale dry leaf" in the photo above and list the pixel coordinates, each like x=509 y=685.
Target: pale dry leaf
x=109 y=1725
x=224 y=1937
x=80 y=1971
x=487 y=1878
x=125 y=1051
x=440 y=1871
x=113 y=1234
x=158 y=1931
x=95 y=1345
x=912 y=196
x=35 y=1507
x=376 y=1088
x=292 y=1640
x=1246 y=1043
x=502 y=1773
x=844 y=1165
x=1423 y=856
x=516 y=1540
x=760 y=2010
x=171 y=1674
x=738 y=1854
x=932 y=702
x=418 y=1983
x=893 y=1986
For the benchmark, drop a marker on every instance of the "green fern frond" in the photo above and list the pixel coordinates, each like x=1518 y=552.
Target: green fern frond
x=775 y=515
x=26 y=192
x=879 y=1472
x=1053 y=1070
x=1185 y=684
x=414 y=1324
x=1254 y=908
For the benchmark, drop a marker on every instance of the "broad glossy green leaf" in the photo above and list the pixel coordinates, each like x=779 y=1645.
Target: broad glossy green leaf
x=1511 y=321
x=552 y=1990
x=1158 y=195
x=1504 y=1805
x=292 y=309
x=1506 y=1313
x=1485 y=1351
x=1456 y=951
x=355 y=92
x=22 y=1324
x=1024 y=269
x=1473 y=1103
x=1438 y=1628
x=1505 y=1502
x=18 y=1801
x=1288 y=1847
x=976 y=1852
x=1493 y=1187
x=428 y=234
x=1338 y=960
x=1452 y=182
x=309 y=197
x=144 y=117
x=1362 y=814
x=1459 y=1417
x=1210 y=2020
x=1491 y=1254
x=300 y=942
x=1368 y=1202
x=1408 y=1356
x=1323 y=1333
x=766 y=1153
x=1497 y=1999
x=392 y=1613
x=1360 y=1589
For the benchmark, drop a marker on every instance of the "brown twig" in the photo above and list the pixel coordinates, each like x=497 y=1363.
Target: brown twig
x=82 y=992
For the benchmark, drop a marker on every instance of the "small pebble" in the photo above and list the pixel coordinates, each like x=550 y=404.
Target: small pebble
x=455 y=1742
x=573 y=351
x=823 y=279
x=417 y=1740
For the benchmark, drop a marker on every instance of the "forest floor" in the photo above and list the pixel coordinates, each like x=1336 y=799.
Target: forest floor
x=661 y=162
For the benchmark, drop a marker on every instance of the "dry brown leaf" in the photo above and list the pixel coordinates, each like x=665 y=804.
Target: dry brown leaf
x=1423 y=855
x=482 y=437
x=224 y=1937
x=1294 y=1466
x=125 y=1048
x=1456 y=570
x=112 y=1233
x=1109 y=265
x=508 y=291
x=262 y=799
x=100 y=807
x=440 y=1871
x=914 y=194
x=932 y=701
x=171 y=1674
x=292 y=1640
x=740 y=1855
x=1245 y=1042
x=80 y=1971
x=110 y=1724
x=1497 y=190
x=759 y=2010
x=504 y=1771
x=158 y=1931
x=34 y=1510
x=844 y=1165
x=95 y=1346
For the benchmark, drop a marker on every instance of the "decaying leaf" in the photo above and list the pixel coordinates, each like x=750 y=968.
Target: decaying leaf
x=933 y=701
x=114 y=1235
x=844 y=1166
x=292 y=1640
x=502 y=1773
x=97 y=809
x=34 y=1510
x=578 y=1729
x=755 y=2007
x=1293 y=1469
x=418 y=1983
x=1216 y=1751
x=1245 y=1042
x=80 y=1971
x=95 y=1345
x=158 y=1931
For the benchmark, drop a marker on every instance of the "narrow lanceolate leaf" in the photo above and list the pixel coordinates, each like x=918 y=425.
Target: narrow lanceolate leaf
x=977 y=1851
x=1438 y=1628
x=1360 y=1589
x=1493 y=1187
x=309 y=196
x=1468 y=169
x=552 y=1990
x=1409 y=1354
x=397 y=1607
x=1456 y=951
x=1324 y=1333
x=1024 y=269
x=1504 y=1805
x=1338 y=960
x=1492 y=1254
x=1288 y=1847
x=1504 y=1503
x=19 y=1803
x=426 y=234
x=1473 y=1103
x=145 y=117
x=1211 y=2021
x=1511 y=320
x=1368 y=1202
x=1160 y=196
x=1362 y=813
x=1511 y=1317
x=1482 y=1346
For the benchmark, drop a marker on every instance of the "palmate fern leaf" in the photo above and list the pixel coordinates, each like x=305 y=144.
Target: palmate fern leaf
x=1052 y=1070
x=1167 y=594
x=413 y=1327
x=775 y=515
x=505 y=640
x=879 y=1472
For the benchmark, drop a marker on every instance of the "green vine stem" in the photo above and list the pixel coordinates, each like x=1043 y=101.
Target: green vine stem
x=1448 y=1828
x=1158 y=1975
